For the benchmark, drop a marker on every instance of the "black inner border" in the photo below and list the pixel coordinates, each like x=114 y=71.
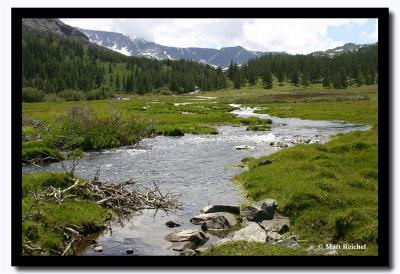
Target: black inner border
x=383 y=258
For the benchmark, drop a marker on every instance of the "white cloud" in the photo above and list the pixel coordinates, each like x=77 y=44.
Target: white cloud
x=373 y=34
x=290 y=35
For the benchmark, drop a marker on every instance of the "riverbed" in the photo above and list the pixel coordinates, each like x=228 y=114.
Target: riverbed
x=199 y=167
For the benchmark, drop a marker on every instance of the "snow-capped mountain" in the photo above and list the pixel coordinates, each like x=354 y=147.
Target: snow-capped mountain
x=346 y=48
x=136 y=46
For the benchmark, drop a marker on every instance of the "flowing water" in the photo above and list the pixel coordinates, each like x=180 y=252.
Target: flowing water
x=197 y=166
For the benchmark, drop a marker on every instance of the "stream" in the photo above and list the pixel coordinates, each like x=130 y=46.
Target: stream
x=197 y=166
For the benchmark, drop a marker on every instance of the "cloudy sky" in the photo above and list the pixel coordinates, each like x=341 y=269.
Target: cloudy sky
x=290 y=35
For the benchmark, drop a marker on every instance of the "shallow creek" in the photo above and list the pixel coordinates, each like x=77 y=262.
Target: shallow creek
x=197 y=166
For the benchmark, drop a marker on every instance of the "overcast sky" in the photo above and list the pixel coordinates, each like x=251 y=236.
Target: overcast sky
x=290 y=35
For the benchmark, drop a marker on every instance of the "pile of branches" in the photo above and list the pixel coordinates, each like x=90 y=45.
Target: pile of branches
x=117 y=196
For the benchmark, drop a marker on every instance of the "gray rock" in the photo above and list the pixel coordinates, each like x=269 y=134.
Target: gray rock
x=188 y=252
x=273 y=236
x=280 y=225
x=269 y=206
x=180 y=246
x=215 y=221
x=290 y=242
x=223 y=218
x=252 y=232
x=193 y=235
x=258 y=212
x=221 y=208
x=172 y=224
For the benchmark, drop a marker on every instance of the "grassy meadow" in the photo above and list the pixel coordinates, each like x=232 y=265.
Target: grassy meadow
x=328 y=190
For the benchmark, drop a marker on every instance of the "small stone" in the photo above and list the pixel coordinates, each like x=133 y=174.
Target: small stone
x=129 y=250
x=188 y=252
x=98 y=248
x=172 y=224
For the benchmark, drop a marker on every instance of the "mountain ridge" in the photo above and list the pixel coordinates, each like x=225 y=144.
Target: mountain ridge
x=137 y=46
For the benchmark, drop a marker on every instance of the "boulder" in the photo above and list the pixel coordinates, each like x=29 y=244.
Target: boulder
x=219 y=219
x=264 y=210
x=180 y=246
x=280 y=225
x=223 y=241
x=252 y=232
x=193 y=235
x=172 y=224
x=220 y=222
x=221 y=208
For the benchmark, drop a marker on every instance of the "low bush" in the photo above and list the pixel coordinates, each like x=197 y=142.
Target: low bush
x=32 y=95
x=71 y=95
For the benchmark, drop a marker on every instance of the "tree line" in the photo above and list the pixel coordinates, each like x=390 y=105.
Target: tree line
x=356 y=68
x=72 y=70
x=62 y=66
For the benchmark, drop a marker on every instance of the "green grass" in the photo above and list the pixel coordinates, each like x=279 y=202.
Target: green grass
x=39 y=150
x=329 y=190
x=47 y=219
x=243 y=248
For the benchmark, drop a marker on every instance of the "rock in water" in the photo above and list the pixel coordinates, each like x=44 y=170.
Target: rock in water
x=245 y=147
x=180 y=246
x=220 y=222
x=200 y=219
x=129 y=250
x=193 y=235
x=172 y=224
x=221 y=208
x=98 y=248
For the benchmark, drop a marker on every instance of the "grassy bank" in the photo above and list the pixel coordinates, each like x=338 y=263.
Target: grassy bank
x=45 y=222
x=329 y=190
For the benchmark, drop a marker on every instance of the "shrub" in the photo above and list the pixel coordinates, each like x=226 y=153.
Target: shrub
x=99 y=94
x=71 y=95
x=32 y=95
x=82 y=128
x=53 y=98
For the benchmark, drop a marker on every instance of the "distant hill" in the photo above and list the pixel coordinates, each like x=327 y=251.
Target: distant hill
x=346 y=48
x=137 y=46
